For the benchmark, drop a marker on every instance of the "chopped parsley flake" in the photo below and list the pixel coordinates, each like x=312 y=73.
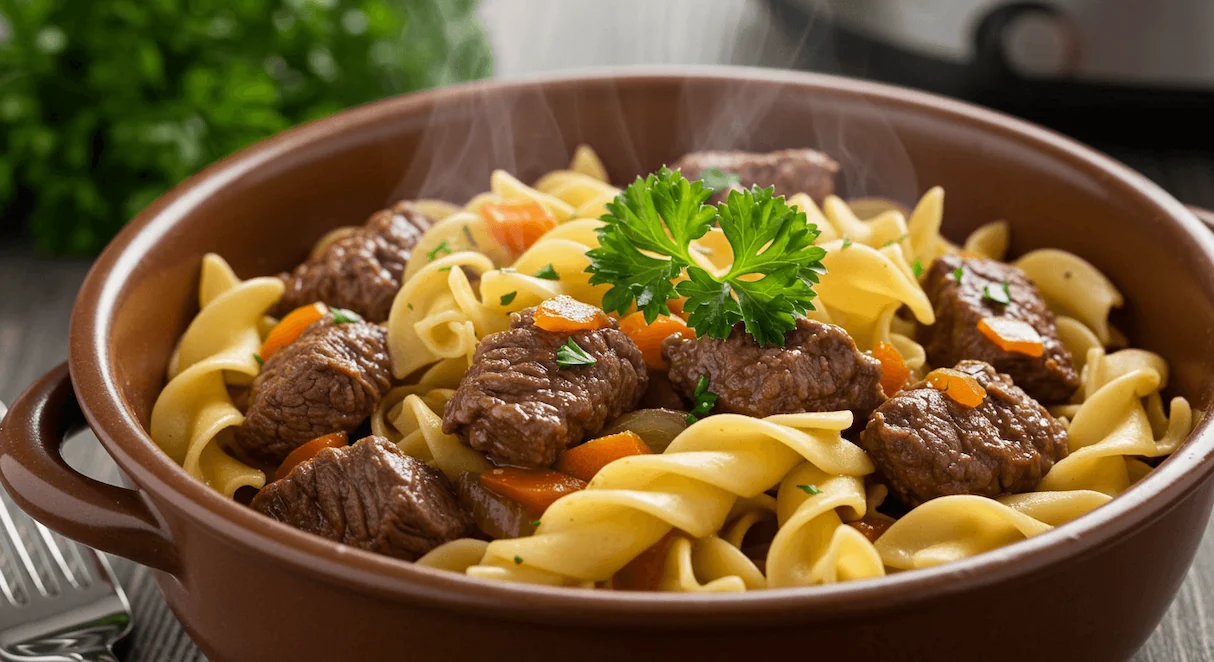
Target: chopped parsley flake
x=441 y=249
x=846 y=243
x=571 y=355
x=258 y=359
x=518 y=560
x=917 y=267
x=548 y=273
x=536 y=523
x=899 y=240
x=809 y=489
x=410 y=306
x=704 y=401
x=343 y=316
x=958 y=273
x=468 y=235
x=716 y=180
x=508 y=297
x=1001 y=294
x=445 y=269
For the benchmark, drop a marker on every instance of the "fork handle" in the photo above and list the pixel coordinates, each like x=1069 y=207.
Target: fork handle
x=106 y=517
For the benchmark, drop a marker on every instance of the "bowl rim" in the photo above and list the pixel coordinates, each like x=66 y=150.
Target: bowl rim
x=98 y=389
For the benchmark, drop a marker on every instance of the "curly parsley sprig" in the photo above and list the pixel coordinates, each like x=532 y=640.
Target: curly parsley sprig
x=645 y=246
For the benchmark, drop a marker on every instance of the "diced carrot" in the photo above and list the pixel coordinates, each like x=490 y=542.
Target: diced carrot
x=1012 y=335
x=517 y=224
x=958 y=386
x=644 y=573
x=586 y=460
x=649 y=337
x=564 y=314
x=290 y=327
x=309 y=451
x=535 y=489
x=893 y=369
x=676 y=308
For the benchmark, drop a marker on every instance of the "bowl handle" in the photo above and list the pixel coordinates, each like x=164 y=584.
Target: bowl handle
x=112 y=519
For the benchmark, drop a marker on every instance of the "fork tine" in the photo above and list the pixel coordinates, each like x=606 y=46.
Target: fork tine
x=22 y=562
x=65 y=570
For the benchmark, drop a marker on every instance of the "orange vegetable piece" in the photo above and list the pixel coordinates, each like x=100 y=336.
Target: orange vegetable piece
x=958 y=386
x=894 y=372
x=309 y=451
x=1012 y=335
x=564 y=314
x=290 y=327
x=517 y=224
x=649 y=337
x=586 y=460
x=535 y=489
x=676 y=308
x=872 y=527
x=644 y=573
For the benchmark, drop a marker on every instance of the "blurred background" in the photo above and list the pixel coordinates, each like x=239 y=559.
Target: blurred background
x=105 y=104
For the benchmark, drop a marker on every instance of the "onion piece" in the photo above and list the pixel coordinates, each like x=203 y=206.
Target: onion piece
x=657 y=427
x=496 y=516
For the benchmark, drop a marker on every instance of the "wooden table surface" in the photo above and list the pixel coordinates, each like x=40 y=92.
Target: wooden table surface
x=36 y=294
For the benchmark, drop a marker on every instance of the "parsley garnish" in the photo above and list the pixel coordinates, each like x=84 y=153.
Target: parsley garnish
x=716 y=180
x=508 y=297
x=571 y=355
x=957 y=274
x=1001 y=294
x=645 y=245
x=258 y=359
x=343 y=316
x=704 y=400
x=410 y=306
x=536 y=523
x=846 y=243
x=469 y=237
x=899 y=240
x=547 y=273
x=445 y=269
x=441 y=248
x=917 y=268
x=518 y=560
x=810 y=489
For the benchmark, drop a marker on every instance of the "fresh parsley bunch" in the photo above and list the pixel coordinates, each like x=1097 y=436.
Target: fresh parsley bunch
x=645 y=245
x=105 y=104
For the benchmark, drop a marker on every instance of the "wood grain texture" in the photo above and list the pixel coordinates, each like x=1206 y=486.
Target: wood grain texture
x=528 y=36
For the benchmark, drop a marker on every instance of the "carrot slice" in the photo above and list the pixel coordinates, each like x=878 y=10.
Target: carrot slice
x=286 y=331
x=586 y=460
x=535 y=489
x=564 y=314
x=309 y=451
x=676 y=308
x=649 y=337
x=644 y=573
x=517 y=224
x=958 y=386
x=1012 y=335
x=894 y=372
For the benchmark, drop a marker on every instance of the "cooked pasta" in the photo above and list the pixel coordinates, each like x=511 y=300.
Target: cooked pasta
x=683 y=500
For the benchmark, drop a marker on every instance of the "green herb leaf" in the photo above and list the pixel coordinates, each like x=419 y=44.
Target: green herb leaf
x=444 y=269
x=468 y=235
x=548 y=273
x=410 y=306
x=917 y=268
x=343 y=316
x=899 y=240
x=536 y=523
x=1000 y=294
x=518 y=560
x=258 y=359
x=846 y=243
x=571 y=355
x=441 y=249
x=644 y=246
x=716 y=180
x=508 y=297
x=810 y=489
x=957 y=274
x=705 y=400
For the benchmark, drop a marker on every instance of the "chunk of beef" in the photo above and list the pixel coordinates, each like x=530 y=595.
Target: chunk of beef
x=961 y=305
x=926 y=445
x=790 y=171
x=521 y=408
x=369 y=495
x=328 y=380
x=817 y=369
x=360 y=271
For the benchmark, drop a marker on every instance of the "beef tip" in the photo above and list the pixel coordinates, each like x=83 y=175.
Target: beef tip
x=370 y=495
x=328 y=380
x=361 y=271
x=926 y=445
x=520 y=408
x=817 y=369
x=960 y=306
x=790 y=171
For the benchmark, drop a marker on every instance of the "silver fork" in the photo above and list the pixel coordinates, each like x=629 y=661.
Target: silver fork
x=74 y=613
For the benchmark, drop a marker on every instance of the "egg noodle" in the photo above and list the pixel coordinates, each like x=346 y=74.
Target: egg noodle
x=714 y=483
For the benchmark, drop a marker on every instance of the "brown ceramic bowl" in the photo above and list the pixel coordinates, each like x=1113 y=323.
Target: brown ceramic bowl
x=247 y=588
